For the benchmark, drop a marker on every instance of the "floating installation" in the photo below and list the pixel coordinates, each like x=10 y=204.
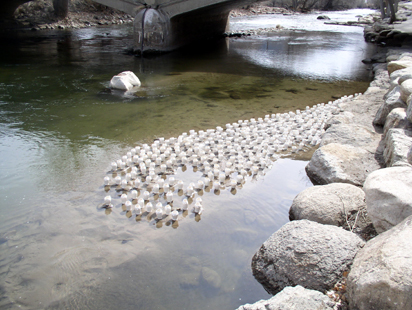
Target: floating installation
x=144 y=180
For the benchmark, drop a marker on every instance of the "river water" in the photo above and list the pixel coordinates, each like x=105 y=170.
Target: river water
x=61 y=127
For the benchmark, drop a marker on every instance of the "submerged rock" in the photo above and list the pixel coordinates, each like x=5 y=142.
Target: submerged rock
x=381 y=274
x=304 y=253
x=293 y=298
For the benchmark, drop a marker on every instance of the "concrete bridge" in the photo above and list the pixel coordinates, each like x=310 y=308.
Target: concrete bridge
x=164 y=25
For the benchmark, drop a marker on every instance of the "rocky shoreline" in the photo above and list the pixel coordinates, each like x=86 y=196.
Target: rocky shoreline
x=348 y=243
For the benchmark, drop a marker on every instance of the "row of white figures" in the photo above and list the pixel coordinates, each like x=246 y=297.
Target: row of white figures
x=224 y=157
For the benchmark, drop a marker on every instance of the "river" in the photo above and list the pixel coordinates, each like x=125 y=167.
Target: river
x=61 y=127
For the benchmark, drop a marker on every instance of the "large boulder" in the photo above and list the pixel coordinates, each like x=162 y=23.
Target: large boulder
x=305 y=253
x=293 y=298
x=396 y=119
x=388 y=196
x=393 y=100
x=399 y=65
x=409 y=109
x=327 y=204
x=405 y=88
x=125 y=81
x=398 y=142
x=381 y=274
x=339 y=163
x=352 y=134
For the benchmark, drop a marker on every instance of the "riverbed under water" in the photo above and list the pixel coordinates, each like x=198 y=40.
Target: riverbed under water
x=61 y=127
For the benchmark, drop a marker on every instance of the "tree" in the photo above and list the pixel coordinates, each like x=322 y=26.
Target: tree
x=61 y=8
x=389 y=9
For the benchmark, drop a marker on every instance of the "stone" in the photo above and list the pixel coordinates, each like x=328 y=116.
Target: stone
x=396 y=119
x=293 y=298
x=398 y=65
x=211 y=277
x=125 y=81
x=323 y=17
x=342 y=118
x=409 y=109
x=327 y=204
x=393 y=100
x=381 y=274
x=388 y=196
x=339 y=163
x=398 y=142
x=352 y=134
x=304 y=253
x=410 y=156
x=406 y=89
x=398 y=73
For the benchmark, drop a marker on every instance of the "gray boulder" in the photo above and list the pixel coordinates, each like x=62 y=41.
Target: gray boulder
x=399 y=65
x=305 y=253
x=293 y=298
x=327 y=204
x=393 y=100
x=396 y=119
x=388 y=196
x=398 y=142
x=381 y=274
x=409 y=109
x=352 y=134
x=339 y=163
x=405 y=88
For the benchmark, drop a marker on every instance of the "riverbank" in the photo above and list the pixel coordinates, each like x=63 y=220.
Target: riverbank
x=39 y=15
x=362 y=173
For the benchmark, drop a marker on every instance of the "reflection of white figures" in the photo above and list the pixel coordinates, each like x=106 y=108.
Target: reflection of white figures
x=226 y=158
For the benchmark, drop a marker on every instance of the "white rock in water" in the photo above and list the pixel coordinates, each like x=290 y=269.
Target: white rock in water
x=125 y=81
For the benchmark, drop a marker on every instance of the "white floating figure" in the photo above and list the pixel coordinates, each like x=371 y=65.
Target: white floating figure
x=169 y=196
x=155 y=189
x=174 y=214
x=146 y=195
x=125 y=81
x=124 y=184
x=149 y=207
x=168 y=209
x=159 y=213
x=106 y=180
x=114 y=166
x=185 y=204
x=138 y=209
x=198 y=208
x=123 y=198
x=118 y=180
x=128 y=205
x=108 y=200
x=134 y=194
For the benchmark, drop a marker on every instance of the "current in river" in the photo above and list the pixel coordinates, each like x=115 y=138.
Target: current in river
x=61 y=127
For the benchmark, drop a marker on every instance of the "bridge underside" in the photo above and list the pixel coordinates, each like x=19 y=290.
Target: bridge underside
x=156 y=32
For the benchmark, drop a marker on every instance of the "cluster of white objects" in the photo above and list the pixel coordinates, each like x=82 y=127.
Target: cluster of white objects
x=145 y=176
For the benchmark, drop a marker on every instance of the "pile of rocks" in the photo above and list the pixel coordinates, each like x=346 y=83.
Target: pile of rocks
x=363 y=172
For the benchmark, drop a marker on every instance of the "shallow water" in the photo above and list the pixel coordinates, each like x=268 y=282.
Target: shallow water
x=61 y=127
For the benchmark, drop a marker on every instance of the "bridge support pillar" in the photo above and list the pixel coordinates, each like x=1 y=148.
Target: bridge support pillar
x=155 y=32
